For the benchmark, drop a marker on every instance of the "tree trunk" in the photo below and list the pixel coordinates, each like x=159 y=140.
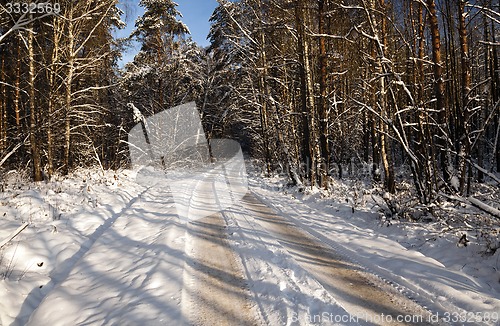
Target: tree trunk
x=35 y=154
x=375 y=137
x=3 y=108
x=323 y=105
x=495 y=87
x=17 y=91
x=385 y=142
x=424 y=139
x=68 y=91
x=439 y=92
x=366 y=137
x=264 y=96
x=56 y=22
x=375 y=148
x=464 y=151
x=305 y=96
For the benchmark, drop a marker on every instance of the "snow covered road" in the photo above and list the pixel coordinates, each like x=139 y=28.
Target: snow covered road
x=128 y=259
x=145 y=267
x=215 y=290
x=361 y=293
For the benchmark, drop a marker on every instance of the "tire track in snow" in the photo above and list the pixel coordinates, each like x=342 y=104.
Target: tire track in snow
x=285 y=293
x=215 y=291
x=413 y=292
x=357 y=290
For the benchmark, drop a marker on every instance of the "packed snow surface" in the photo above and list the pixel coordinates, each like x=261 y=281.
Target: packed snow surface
x=102 y=249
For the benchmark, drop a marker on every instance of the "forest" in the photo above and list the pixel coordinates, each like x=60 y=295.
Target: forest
x=315 y=89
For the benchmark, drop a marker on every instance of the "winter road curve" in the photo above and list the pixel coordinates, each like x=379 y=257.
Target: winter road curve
x=244 y=266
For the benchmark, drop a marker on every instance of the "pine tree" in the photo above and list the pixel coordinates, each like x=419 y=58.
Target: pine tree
x=161 y=36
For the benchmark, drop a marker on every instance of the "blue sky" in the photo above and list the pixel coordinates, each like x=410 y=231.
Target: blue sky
x=195 y=14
